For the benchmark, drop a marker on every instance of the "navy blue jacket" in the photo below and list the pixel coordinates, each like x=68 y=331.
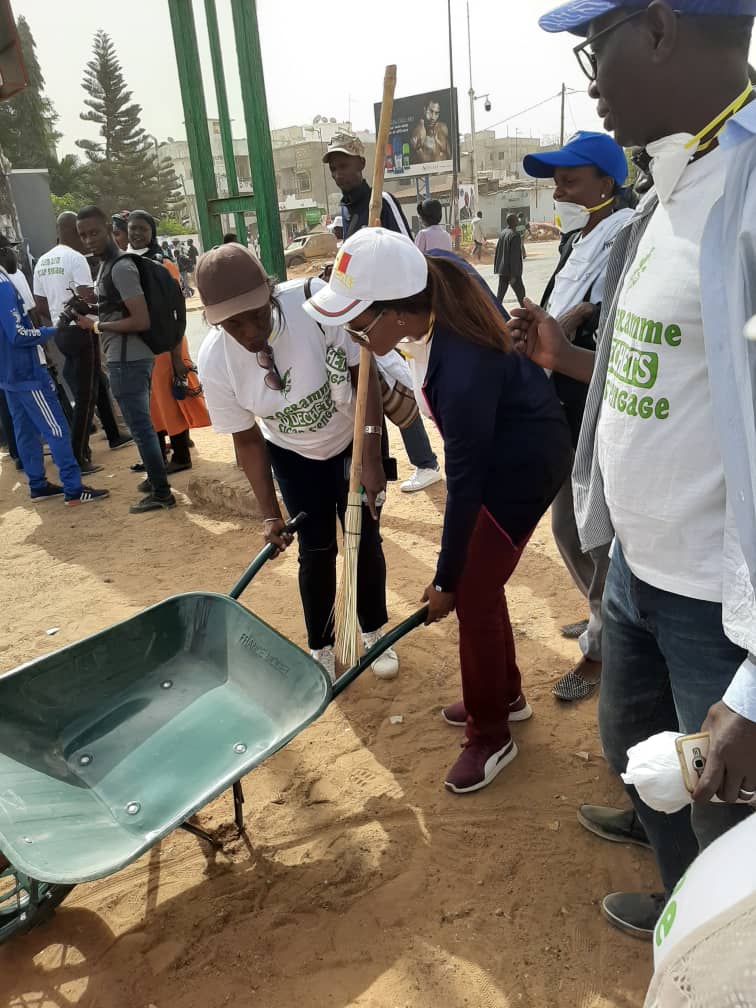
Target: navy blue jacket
x=20 y=366
x=506 y=442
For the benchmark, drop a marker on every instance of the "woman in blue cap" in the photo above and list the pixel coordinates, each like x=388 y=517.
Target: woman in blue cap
x=589 y=172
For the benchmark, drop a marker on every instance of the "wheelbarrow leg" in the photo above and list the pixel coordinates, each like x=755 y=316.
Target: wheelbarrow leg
x=201 y=834
x=239 y=807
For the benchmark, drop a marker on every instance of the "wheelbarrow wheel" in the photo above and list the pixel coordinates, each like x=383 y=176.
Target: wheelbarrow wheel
x=26 y=903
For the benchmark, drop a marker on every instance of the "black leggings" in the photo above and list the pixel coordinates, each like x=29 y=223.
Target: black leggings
x=320 y=488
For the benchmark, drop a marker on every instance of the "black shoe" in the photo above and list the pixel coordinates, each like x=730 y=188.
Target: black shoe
x=176 y=467
x=88 y=468
x=153 y=503
x=19 y=465
x=145 y=487
x=47 y=492
x=613 y=824
x=634 y=913
x=121 y=442
x=574 y=630
x=137 y=467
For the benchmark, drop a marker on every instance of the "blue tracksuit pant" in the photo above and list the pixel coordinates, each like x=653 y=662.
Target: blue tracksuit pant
x=36 y=413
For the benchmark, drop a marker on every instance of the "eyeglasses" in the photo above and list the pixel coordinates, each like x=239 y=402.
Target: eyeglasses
x=273 y=379
x=587 y=60
x=363 y=335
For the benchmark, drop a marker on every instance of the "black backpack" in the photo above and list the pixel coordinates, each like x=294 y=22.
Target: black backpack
x=165 y=303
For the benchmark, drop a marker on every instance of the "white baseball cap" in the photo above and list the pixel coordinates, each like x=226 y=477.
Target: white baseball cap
x=372 y=265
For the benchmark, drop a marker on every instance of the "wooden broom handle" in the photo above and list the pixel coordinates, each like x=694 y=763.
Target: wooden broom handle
x=374 y=220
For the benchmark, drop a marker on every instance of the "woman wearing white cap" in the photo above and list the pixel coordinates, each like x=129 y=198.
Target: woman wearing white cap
x=282 y=386
x=507 y=453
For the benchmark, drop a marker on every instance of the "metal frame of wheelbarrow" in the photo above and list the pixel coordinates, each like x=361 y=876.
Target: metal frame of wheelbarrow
x=31 y=900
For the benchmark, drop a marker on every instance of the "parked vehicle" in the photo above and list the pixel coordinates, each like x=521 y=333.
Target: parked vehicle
x=318 y=245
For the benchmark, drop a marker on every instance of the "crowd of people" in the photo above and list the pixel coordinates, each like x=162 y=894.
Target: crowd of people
x=623 y=401
x=79 y=339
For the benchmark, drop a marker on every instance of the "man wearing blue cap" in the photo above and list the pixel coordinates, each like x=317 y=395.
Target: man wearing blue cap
x=588 y=172
x=666 y=463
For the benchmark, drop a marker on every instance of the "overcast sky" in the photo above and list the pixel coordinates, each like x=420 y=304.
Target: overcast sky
x=320 y=58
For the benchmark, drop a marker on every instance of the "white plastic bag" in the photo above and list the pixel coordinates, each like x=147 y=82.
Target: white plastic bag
x=654 y=769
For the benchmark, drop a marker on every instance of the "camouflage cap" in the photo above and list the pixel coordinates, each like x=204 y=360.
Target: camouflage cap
x=345 y=143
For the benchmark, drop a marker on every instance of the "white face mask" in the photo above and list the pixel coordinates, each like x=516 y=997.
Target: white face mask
x=570 y=217
x=671 y=155
x=139 y=252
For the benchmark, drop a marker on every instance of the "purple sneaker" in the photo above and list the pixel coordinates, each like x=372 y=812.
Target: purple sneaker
x=481 y=760
x=456 y=715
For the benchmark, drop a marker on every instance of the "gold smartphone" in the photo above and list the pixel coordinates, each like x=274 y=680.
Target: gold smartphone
x=692 y=751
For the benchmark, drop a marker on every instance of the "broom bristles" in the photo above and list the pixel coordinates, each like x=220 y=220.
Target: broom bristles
x=345 y=615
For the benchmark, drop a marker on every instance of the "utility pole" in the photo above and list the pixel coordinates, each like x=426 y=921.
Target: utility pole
x=454 y=137
x=561 y=128
x=232 y=182
x=471 y=93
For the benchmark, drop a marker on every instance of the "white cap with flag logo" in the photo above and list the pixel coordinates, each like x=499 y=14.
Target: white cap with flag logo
x=372 y=265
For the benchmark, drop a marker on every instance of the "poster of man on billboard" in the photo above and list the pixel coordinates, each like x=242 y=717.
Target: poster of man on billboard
x=422 y=140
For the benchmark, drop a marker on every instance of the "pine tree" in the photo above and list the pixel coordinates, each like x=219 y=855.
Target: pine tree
x=169 y=196
x=122 y=163
x=27 y=121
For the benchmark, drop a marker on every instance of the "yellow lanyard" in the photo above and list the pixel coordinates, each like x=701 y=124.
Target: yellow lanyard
x=722 y=119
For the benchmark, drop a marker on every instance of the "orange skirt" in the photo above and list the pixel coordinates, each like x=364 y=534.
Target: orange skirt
x=175 y=415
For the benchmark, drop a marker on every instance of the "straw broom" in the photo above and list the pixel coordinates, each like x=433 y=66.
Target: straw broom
x=346 y=598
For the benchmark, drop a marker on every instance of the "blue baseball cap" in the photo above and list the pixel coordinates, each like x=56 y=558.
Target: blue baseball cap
x=575 y=17
x=582 y=149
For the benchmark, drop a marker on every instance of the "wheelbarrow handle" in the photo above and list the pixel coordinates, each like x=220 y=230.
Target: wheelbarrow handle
x=387 y=641
x=263 y=556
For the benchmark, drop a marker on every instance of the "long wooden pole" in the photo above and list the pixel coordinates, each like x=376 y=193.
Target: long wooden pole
x=346 y=600
x=374 y=220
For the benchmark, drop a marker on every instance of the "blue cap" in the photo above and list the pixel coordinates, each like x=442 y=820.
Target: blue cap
x=582 y=149
x=575 y=17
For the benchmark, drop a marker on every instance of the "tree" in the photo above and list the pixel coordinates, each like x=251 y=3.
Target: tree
x=122 y=163
x=169 y=194
x=27 y=121
x=69 y=177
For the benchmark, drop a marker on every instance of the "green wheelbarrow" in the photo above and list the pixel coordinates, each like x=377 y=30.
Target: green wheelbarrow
x=108 y=745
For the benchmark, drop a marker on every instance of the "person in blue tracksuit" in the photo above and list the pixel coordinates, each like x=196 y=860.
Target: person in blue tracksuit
x=33 y=404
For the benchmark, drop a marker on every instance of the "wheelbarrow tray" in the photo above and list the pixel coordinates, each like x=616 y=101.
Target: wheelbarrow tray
x=111 y=743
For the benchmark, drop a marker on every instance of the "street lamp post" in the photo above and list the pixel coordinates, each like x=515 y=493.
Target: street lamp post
x=473 y=98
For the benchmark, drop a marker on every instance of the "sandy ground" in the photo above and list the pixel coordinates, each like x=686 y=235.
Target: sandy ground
x=361 y=882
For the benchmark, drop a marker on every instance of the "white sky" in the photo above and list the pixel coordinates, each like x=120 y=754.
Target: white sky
x=320 y=57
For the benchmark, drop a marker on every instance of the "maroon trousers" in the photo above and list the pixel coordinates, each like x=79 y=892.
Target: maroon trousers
x=490 y=676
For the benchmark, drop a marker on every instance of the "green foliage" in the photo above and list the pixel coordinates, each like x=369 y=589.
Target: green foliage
x=171 y=227
x=122 y=162
x=27 y=121
x=69 y=177
x=65 y=202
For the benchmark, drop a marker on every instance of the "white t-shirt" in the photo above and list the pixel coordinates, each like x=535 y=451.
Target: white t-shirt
x=657 y=443
x=314 y=414
x=56 y=271
x=585 y=270
x=21 y=284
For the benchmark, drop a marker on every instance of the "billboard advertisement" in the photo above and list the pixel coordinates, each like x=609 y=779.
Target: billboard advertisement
x=423 y=139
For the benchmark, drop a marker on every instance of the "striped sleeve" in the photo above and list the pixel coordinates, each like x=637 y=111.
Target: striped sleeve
x=392 y=217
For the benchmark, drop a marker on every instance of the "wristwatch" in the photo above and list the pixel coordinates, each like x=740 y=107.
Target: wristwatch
x=96 y=328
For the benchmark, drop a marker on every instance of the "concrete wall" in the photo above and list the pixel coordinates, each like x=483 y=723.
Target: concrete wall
x=31 y=193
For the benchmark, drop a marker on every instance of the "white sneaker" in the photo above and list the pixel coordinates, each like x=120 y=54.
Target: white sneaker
x=327 y=658
x=387 y=666
x=421 y=479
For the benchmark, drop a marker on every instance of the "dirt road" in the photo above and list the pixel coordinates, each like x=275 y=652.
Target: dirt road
x=361 y=881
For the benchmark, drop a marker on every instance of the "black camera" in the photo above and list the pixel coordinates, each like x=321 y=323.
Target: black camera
x=74 y=306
